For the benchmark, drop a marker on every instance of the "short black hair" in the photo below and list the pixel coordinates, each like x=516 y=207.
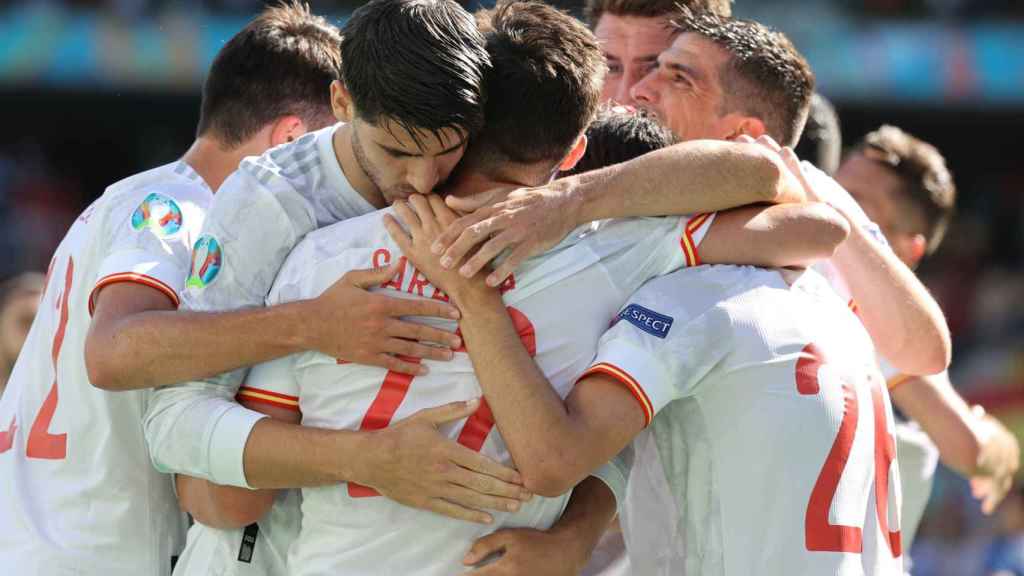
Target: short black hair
x=417 y=63
x=619 y=134
x=594 y=9
x=282 y=63
x=544 y=87
x=927 y=182
x=765 y=76
x=822 y=141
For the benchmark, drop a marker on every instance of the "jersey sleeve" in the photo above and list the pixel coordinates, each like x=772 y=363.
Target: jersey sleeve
x=659 y=350
x=273 y=384
x=256 y=218
x=638 y=249
x=615 y=474
x=148 y=238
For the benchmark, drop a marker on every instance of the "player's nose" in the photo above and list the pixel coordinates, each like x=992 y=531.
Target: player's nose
x=424 y=176
x=644 y=91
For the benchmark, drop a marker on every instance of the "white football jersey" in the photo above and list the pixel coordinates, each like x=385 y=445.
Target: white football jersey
x=77 y=492
x=260 y=549
x=919 y=459
x=561 y=302
x=772 y=453
x=258 y=215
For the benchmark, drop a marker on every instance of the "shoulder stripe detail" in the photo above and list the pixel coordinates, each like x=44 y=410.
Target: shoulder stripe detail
x=631 y=384
x=267 y=397
x=135 y=278
x=897 y=380
x=686 y=242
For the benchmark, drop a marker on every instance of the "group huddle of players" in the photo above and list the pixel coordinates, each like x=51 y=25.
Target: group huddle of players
x=418 y=301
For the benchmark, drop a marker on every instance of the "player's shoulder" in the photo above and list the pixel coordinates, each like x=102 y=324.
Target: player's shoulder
x=330 y=251
x=172 y=193
x=287 y=161
x=691 y=292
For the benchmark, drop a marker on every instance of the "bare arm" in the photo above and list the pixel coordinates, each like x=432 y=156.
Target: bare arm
x=700 y=176
x=970 y=442
x=136 y=340
x=774 y=236
x=904 y=321
x=563 y=550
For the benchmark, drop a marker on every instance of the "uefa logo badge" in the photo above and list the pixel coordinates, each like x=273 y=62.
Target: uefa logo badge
x=206 y=261
x=159 y=214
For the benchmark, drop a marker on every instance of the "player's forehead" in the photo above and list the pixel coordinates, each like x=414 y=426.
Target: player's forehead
x=413 y=141
x=694 y=52
x=633 y=37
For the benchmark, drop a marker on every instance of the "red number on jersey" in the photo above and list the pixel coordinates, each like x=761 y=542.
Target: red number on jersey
x=819 y=535
x=41 y=444
x=395 y=387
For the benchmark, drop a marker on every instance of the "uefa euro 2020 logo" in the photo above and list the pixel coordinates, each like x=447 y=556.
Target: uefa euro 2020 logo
x=206 y=261
x=159 y=214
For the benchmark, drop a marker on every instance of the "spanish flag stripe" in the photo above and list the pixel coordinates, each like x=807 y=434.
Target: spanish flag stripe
x=631 y=384
x=132 y=277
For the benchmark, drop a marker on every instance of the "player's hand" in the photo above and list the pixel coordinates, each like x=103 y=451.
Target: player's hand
x=426 y=217
x=524 y=552
x=525 y=221
x=415 y=465
x=352 y=324
x=1000 y=461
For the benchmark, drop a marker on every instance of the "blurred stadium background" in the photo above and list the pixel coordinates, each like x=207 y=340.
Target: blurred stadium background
x=93 y=91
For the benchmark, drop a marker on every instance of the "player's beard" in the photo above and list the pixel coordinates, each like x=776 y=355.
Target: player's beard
x=389 y=195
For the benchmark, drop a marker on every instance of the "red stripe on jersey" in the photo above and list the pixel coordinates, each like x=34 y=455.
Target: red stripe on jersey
x=687 y=243
x=134 y=278
x=629 y=382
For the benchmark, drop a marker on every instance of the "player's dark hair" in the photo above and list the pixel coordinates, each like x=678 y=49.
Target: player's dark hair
x=594 y=9
x=927 y=183
x=417 y=63
x=282 y=63
x=544 y=87
x=19 y=284
x=620 y=134
x=765 y=76
x=822 y=141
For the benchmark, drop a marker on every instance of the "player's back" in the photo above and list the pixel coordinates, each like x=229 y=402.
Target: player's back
x=769 y=459
x=561 y=304
x=77 y=492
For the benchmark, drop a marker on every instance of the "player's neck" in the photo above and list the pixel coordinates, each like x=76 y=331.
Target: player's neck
x=213 y=162
x=352 y=169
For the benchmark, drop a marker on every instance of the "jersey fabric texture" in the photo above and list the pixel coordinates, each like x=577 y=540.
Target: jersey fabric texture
x=77 y=493
x=772 y=435
x=561 y=302
x=259 y=214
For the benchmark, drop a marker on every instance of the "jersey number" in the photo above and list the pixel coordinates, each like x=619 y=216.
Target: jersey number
x=820 y=536
x=41 y=444
x=396 y=386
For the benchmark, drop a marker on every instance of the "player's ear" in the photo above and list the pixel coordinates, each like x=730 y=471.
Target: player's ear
x=918 y=247
x=574 y=155
x=286 y=129
x=744 y=126
x=341 y=102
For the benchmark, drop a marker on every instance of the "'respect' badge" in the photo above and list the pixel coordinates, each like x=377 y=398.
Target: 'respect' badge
x=206 y=261
x=159 y=214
